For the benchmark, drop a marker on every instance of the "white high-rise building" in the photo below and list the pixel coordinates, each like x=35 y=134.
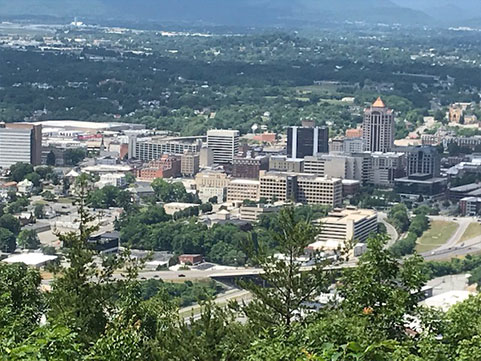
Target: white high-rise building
x=20 y=143
x=224 y=144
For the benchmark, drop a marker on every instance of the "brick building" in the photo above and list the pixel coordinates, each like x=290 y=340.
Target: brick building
x=167 y=166
x=249 y=167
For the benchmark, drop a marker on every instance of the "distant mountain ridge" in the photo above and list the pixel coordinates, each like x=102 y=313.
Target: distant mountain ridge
x=223 y=12
x=453 y=12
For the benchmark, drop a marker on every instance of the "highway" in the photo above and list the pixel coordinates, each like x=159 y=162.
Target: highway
x=453 y=248
x=194 y=312
x=470 y=247
x=194 y=274
x=463 y=224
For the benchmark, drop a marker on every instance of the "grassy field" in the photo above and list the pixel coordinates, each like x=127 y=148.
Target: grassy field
x=318 y=89
x=473 y=230
x=437 y=235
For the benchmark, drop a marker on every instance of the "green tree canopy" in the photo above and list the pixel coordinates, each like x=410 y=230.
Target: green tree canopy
x=7 y=241
x=382 y=289
x=28 y=239
x=19 y=171
x=171 y=192
x=11 y=223
x=289 y=289
x=73 y=156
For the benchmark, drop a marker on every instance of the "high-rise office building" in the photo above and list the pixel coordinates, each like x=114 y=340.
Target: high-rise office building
x=20 y=142
x=386 y=167
x=423 y=160
x=224 y=144
x=379 y=169
x=378 y=128
x=307 y=141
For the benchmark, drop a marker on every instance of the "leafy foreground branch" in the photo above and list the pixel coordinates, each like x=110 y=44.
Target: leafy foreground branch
x=89 y=315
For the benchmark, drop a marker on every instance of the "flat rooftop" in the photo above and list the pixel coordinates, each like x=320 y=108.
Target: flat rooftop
x=427 y=181
x=448 y=299
x=77 y=124
x=107 y=168
x=300 y=176
x=246 y=182
x=350 y=181
x=30 y=259
x=346 y=215
x=466 y=188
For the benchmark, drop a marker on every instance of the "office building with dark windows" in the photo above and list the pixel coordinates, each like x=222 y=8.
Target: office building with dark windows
x=307 y=141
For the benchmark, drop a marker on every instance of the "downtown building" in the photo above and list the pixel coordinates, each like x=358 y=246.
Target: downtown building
x=422 y=160
x=380 y=169
x=240 y=190
x=307 y=140
x=280 y=163
x=319 y=190
x=328 y=165
x=150 y=149
x=167 y=166
x=224 y=145
x=211 y=184
x=20 y=142
x=378 y=128
x=422 y=180
x=249 y=167
x=386 y=167
x=300 y=187
x=189 y=164
x=348 y=225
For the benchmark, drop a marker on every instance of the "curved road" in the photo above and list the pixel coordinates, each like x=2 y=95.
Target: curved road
x=452 y=248
x=391 y=231
x=463 y=224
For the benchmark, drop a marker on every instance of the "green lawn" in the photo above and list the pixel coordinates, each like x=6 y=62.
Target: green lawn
x=318 y=89
x=437 y=235
x=473 y=230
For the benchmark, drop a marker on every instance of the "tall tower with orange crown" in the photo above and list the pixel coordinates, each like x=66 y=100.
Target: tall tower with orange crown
x=378 y=128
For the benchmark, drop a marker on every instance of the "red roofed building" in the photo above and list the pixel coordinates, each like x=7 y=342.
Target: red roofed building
x=265 y=137
x=354 y=133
